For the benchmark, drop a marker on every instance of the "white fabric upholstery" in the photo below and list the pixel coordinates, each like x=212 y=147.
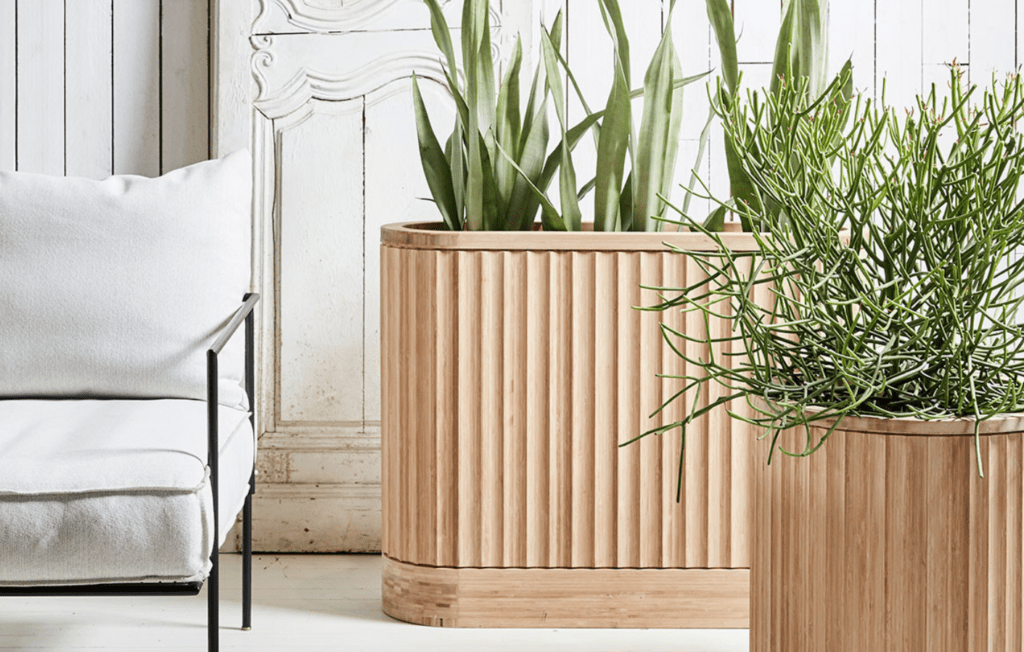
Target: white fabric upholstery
x=95 y=491
x=116 y=288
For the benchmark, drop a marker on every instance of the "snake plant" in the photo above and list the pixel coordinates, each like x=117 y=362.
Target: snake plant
x=494 y=171
x=801 y=50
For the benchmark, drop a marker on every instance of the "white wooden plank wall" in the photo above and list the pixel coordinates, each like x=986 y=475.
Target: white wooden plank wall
x=95 y=87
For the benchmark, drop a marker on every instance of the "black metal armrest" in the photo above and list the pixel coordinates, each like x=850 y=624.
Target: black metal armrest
x=244 y=313
x=249 y=302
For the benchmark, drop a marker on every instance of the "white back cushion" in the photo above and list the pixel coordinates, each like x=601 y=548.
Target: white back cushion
x=117 y=288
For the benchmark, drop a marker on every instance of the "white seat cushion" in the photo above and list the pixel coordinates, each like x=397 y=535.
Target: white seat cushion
x=95 y=491
x=116 y=288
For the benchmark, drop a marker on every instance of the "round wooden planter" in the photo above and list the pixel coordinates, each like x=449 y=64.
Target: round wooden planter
x=887 y=539
x=514 y=365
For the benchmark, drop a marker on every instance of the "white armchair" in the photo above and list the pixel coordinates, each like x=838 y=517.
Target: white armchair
x=126 y=454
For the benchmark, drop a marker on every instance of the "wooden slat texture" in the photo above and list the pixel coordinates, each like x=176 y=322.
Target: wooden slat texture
x=184 y=83
x=993 y=40
x=906 y=546
x=533 y=597
x=8 y=85
x=40 y=79
x=89 y=124
x=511 y=379
x=136 y=75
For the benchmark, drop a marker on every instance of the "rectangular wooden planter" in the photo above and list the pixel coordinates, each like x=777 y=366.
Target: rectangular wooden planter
x=514 y=365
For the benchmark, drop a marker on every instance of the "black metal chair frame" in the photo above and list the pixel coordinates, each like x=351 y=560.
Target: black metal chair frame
x=244 y=313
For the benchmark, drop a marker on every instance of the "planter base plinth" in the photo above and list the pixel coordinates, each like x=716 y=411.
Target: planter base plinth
x=566 y=597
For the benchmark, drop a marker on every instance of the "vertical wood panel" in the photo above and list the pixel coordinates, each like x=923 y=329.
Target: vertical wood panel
x=516 y=380
x=992 y=40
x=759 y=22
x=321 y=354
x=137 y=87
x=697 y=436
x=583 y=423
x=560 y=401
x=185 y=87
x=90 y=118
x=631 y=422
x=851 y=33
x=606 y=408
x=898 y=51
x=537 y=443
x=447 y=481
x=8 y=85
x=469 y=268
x=40 y=78
x=652 y=481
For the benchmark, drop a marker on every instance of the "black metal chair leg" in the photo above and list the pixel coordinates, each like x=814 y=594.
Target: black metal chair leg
x=247 y=558
x=213 y=604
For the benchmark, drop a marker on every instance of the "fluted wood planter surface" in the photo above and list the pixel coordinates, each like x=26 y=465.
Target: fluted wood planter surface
x=886 y=538
x=513 y=366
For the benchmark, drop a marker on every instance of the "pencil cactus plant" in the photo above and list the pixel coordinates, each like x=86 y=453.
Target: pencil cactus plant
x=919 y=313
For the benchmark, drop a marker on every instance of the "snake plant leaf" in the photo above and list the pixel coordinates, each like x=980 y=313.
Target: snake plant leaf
x=435 y=163
x=550 y=217
x=800 y=48
x=507 y=125
x=586 y=188
x=458 y=167
x=716 y=220
x=442 y=35
x=612 y=15
x=611 y=154
x=626 y=203
x=522 y=205
x=572 y=216
x=659 y=135
x=492 y=214
x=720 y=16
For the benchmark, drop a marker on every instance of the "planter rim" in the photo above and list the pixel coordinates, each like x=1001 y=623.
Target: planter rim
x=430 y=235
x=961 y=427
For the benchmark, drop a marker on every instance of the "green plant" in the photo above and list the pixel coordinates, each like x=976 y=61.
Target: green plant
x=801 y=51
x=473 y=186
x=493 y=174
x=917 y=315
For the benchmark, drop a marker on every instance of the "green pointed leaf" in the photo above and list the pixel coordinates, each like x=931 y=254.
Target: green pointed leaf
x=523 y=205
x=507 y=125
x=571 y=214
x=658 y=137
x=612 y=15
x=611 y=155
x=720 y=16
x=716 y=220
x=801 y=48
x=435 y=163
x=551 y=219
x=626 y=204
x=442 y=35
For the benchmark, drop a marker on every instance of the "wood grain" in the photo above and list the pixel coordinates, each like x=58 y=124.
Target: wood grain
x=510 y=378
x=559 y=493
x=537 y=597
x=890 y=540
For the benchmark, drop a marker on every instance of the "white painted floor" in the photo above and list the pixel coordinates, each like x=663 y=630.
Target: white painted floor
x=304 y=603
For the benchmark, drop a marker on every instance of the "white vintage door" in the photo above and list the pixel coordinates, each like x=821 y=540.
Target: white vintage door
x=321 y=92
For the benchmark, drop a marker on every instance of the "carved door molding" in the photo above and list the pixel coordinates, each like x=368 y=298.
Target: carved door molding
x=319 y=91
